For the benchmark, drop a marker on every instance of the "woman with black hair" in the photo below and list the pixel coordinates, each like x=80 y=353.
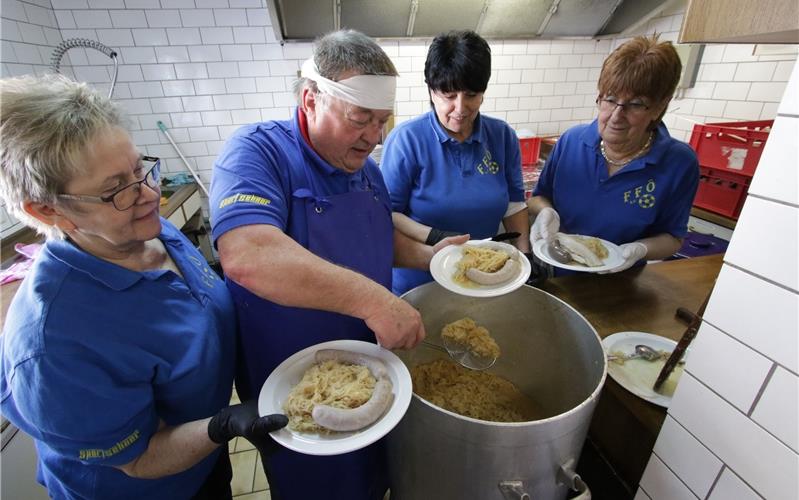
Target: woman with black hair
x=453 y=170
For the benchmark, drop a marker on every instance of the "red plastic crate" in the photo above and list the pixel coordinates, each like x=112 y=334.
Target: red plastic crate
x=531 y=147
x=721 y=192
x=733 y=146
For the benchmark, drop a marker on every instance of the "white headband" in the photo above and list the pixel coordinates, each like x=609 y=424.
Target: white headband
x=366 y=91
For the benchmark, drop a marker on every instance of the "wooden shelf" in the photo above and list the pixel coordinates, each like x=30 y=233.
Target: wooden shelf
x=741 y=21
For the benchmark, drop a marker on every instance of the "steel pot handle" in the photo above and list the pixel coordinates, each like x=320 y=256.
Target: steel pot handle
x=567 y=476
x=513 y=490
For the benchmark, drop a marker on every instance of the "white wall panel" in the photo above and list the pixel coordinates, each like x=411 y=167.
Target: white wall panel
x=766 y=242
x=659 y=483
x=731 y=487
x=777 y=175
x=731 y=369
x=778 y=409
x=756 y=456
x=758 y=314
x=696 y=466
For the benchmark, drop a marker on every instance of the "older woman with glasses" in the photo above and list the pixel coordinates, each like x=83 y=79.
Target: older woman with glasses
x=118 y=349
x=623 y=178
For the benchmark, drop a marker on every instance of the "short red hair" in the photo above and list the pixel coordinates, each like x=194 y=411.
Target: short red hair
x=641 y=67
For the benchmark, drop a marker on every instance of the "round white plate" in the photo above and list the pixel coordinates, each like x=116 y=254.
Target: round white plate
x=638 y=375
x=444 y=264
x=614 y=258
x=290 y=372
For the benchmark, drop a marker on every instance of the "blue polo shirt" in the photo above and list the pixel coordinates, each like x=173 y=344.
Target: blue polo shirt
x=260 y=169
x=93 y=355
x=455 y=186
x=652 y=195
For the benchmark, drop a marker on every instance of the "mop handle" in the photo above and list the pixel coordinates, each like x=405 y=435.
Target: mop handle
x=194 y=174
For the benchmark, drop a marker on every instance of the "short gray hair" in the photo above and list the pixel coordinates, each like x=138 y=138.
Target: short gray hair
x=344 y=51
x=46 y=125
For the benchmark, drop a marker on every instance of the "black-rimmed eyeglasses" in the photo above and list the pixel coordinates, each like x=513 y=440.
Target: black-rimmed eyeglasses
x=609 y=104
x=126 y=196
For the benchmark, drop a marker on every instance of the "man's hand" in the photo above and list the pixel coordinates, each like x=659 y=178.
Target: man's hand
x=396 y=324
x=242 y=420
x=545 y=226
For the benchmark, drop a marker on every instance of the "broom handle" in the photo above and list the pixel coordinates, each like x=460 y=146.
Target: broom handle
x=194 y=174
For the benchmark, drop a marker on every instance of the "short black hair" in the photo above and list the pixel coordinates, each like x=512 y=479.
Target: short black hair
x=458 y=61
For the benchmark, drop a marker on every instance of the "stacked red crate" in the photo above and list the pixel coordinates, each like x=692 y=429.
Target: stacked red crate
x=531 y=147
x=728 y=156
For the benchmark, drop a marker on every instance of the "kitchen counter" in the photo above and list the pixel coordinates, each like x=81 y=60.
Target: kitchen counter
x=624 y=427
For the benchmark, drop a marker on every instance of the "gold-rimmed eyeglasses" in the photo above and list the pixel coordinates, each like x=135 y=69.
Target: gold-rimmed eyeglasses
x=126 y=196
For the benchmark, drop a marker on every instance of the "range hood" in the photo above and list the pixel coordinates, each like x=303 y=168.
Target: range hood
x=304 y=20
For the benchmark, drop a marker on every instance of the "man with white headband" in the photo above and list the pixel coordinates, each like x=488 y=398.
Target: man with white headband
x=302 y=220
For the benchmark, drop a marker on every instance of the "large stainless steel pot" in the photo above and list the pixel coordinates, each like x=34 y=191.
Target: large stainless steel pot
x=552 y=354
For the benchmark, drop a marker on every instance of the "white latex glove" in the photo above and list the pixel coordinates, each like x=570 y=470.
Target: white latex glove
x=545 y=226
x=632 y=253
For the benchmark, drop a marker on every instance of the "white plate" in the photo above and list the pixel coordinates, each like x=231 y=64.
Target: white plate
x=638 y=375
x=290 y=372
x=614 y=258
x=444 y=264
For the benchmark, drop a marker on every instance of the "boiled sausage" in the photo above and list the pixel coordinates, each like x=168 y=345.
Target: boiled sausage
x=351 y=419
x=505 y=273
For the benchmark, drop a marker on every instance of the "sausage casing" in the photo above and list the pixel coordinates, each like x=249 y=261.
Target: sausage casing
x=351 y=419
x=505 y=273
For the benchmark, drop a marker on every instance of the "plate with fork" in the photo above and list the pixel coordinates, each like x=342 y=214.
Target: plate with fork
x=545 y=251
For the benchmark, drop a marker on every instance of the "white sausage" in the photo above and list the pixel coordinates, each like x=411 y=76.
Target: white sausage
x=351 y=419
x=375 y=366
x=503 y=274
x=507 y=272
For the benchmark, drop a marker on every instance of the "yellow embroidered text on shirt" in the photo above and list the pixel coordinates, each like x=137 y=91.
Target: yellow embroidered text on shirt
x=487 y=166
x=244 y=198
x=117 y=448
x=641 y=195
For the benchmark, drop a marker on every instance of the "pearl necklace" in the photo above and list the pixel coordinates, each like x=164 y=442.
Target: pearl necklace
x=621 y=163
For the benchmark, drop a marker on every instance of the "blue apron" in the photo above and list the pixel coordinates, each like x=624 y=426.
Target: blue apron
x=353 y=230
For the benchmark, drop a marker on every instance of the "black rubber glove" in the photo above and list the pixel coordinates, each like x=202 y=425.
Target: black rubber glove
x=436 y=235
x=242 y=420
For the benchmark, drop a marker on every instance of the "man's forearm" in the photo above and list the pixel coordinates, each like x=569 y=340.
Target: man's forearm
x=273 y=266
x=172 y=450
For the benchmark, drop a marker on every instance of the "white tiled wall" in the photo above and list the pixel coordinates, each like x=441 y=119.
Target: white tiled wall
x=205 y=67
x=28 y=34
x=732 y=430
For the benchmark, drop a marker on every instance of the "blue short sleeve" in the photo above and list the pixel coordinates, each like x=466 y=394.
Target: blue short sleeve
x=247 y=187
x=100 y=423
x=399 y=171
